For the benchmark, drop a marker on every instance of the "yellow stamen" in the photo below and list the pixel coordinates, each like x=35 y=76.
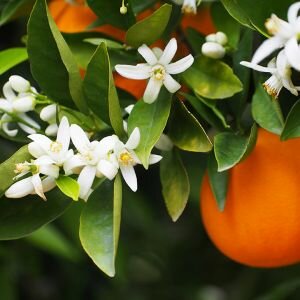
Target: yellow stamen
x=55 y=147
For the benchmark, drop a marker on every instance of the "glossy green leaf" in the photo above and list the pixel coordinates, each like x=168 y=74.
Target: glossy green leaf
x=100 y=225
x=149 y=29
x=218 y=182
x=109 y=43
x=175 y=188
x=7 y=168
x=266 y=111
x=186 y=132
x=231 y=148
x=212 y=79
x=12 y=57
x=68 y=186
x=292 y=124
x=20 y=217
x=151 y=119
x=225 y=23
x=100 y=91
x=52 y=62
x=109 y=12
x=195 y=40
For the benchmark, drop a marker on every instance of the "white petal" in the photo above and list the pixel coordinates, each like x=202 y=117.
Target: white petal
x=38 y=187
x=107 y=144
x=129 y=176
x=85 y=180
x=20 y=189
x=29 y=121
x=79 y=138
x=293 y=12
x=152 y=90
x=48 y=184
x=48 y=113
x=27 y=129
x=134 y=72
x=148 y=55
x=221 y=38
x=213 y=50
x=51 y=130
x=134 y=139
x=36 y=150
x=24 y=104
x=125 y=126
x=129 y=108
x=171 y=84
x=158 y=52
x=211 y=38
x=43 y=141
x=5 y=105
x=153 y=159
x=5 y=119
x=63 y=134
x=8 y=92
x=19 y=84
x=282 y=64
x=169 y=52
x=50 y=170
x=288 y=84
x=72 y=164
x=257 y=67
x=44 y=160
x=107 y=168
x=180 y=65
x=266 y=48
x=292 y=52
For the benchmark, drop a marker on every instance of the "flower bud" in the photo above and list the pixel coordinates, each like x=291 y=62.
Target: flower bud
x=123 y=10
x=51 y=130
x=19 y=84
x=48 y=113
x=211 y=38
x=221 y=38
x=213 y=50
x=24 y=104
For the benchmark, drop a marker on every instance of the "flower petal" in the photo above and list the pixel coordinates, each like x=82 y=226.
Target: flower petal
x=129 y=176
x=51 y=130
x=169 y=52
x=48 y=184
x=27 y=129
x=19 y=84
x=48 y=113
x=73 y=164
x=134 y=72
x=292 y=52
x=24 y=104
x=30 y=121
x=36 y=150
x=106 y=145
x=20 y=189
x=85 y=181
x=38 y=187
x=293 y=11
x=158 y=52
x=5 y=119
x=5 y=105
x=153 y=159
x=79 y=138
x=171 y=84
x=42 y=141
x=152 y=90
x=8 y=92
x=134 y=139
x=180 y=65
x=148 y=55
x=257 y=67
x=266 y=48
x=50 y=170
x=107 y=168
x=63 y=134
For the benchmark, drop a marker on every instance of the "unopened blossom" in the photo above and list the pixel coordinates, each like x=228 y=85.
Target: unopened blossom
x=214 y=45
x=34 y=184
x=19 y=98
x=158 y=69
x=188 y=6
x=281 y=72
x=285 y=34
x=48 y=114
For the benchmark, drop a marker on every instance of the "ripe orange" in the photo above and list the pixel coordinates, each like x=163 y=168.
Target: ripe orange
x=260 y=225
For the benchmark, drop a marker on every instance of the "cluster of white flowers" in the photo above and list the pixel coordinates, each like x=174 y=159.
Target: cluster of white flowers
x=285 y=36
x=214 y=47
x=19 y=97
x=92 y=159
x=158 y=69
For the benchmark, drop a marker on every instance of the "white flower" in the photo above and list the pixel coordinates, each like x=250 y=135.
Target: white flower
x=34 y=184
x=188 y=6
x=285 y=34
x=158 y=68
x=48 y=114
x=57 y=151
x=19 y=99
x=281 y=75
x=84 y=162
x=214 y=45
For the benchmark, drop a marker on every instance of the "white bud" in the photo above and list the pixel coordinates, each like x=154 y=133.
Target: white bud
x=221 y=38
x=24 y=104
x=51 y=130
x=48 y=113
x=213 y=50
x=123 y=10
x=211 y=38
x=19 y=84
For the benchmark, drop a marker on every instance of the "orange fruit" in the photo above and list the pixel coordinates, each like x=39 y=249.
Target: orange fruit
x=260 y=225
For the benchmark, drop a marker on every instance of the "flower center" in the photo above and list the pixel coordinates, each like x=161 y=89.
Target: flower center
x=21 y=167
x=272 y=24
x=55 y=147
x=188 y=9
x=126 y=159
x=273 y=86
x=158 y=72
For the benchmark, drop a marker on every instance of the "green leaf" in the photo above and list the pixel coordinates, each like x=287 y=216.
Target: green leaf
x=149 y=29
x=175 y=188
x=218 y=182
x=151 y=119
x=195 y=40
x=109 y=12
x=186 y=132
x=292 y=124
x=21 y=217
x=100 y=91
x=230 y=148
x=225 y=23
x=266 y=111
x=100 y=225
x=7 y=168
x=108 y=43
x=212 y=79
x=12 y=57
x=68 y=186
x=52 y=62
